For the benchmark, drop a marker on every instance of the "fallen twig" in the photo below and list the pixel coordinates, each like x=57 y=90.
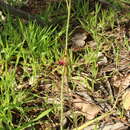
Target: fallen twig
x=20 y=13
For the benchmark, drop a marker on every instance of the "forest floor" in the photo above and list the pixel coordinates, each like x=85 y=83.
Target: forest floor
x=46 y=84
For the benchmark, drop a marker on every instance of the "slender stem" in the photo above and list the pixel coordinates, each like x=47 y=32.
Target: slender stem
x=62 y=101
x=68 y=3
x=64 y=72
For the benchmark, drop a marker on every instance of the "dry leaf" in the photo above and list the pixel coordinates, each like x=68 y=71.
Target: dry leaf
x=120 y=81
x=126 y=82
x=102 y=59
x=126 y=99
x=78 y=40
x=90 y=110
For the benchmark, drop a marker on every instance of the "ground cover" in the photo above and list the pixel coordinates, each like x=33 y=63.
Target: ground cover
x=71 y=73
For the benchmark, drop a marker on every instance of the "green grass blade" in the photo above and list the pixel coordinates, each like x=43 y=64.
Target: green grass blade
x=43 y=114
